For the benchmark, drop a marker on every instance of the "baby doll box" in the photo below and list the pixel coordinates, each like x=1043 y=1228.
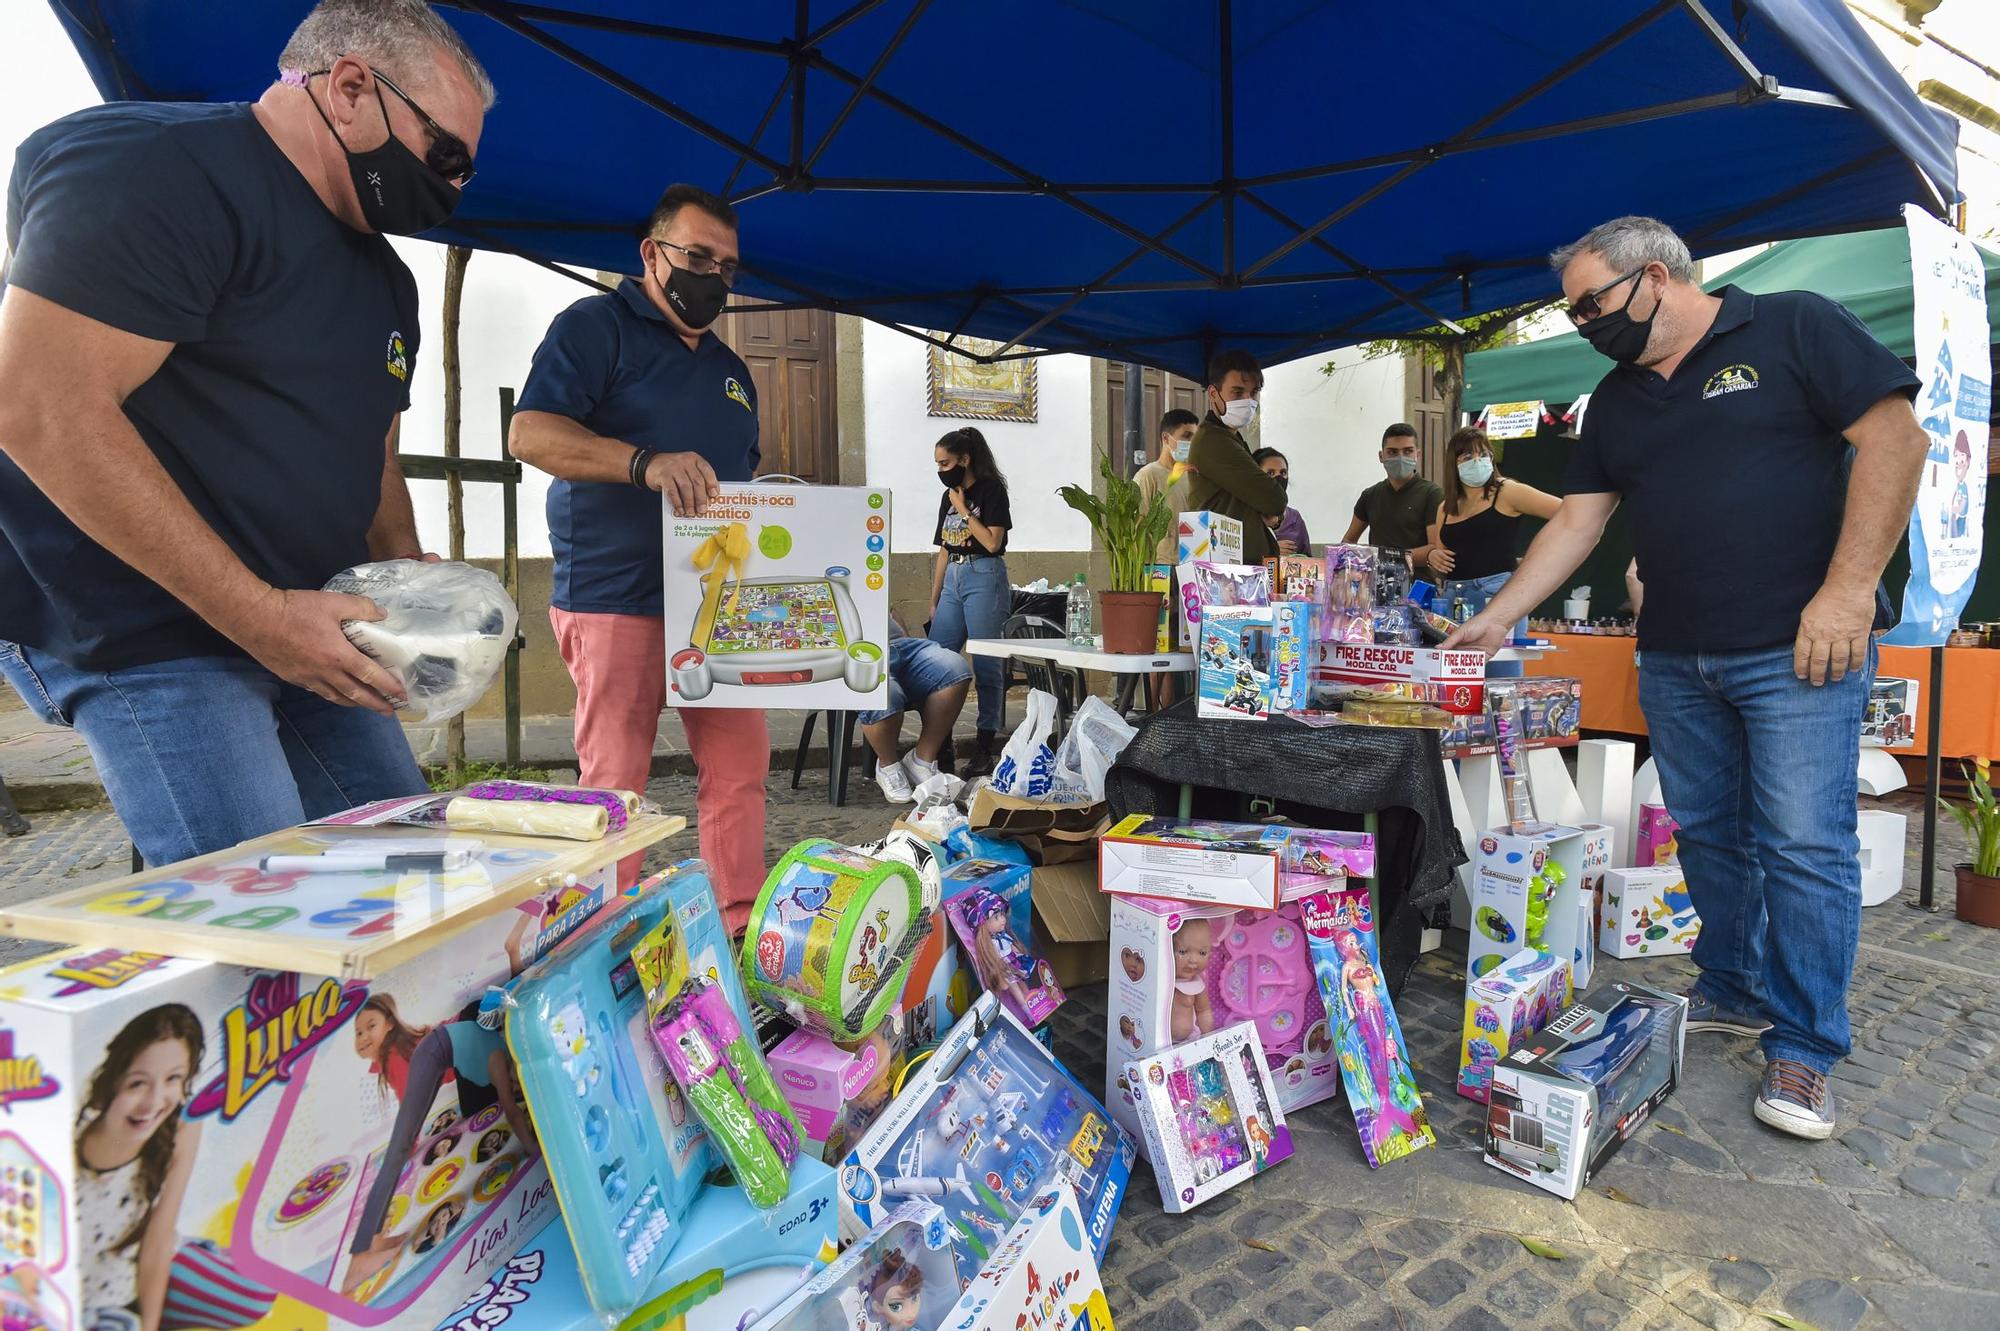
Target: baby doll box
x=1647 y=913
x=838 y=1090
x=1505 y=1006
x=982 y=1127
x=1194 y=861
x=1044 y=1277
x=1210 y=1115
x=903 y=1274
x=335 y=1171
x=778 y=596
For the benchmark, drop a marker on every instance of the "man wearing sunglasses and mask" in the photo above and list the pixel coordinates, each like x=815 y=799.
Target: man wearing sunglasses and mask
x=633 y=396
x=205 y=345
x=1768 y=455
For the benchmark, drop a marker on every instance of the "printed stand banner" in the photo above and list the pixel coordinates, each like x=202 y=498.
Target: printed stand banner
x=1512 y=420
x=1948 y=289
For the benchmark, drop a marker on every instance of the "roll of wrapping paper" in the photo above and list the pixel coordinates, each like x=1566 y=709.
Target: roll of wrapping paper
x=618 y=805
x=1519 y=801
x=572 y=822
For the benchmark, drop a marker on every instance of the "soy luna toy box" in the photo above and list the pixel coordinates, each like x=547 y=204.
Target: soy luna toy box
x=205 y=1145
x=1505 y=1006
x=778 y=596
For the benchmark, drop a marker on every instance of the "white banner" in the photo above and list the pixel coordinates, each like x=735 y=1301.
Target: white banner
x=1513 y=420
x=1948 y=317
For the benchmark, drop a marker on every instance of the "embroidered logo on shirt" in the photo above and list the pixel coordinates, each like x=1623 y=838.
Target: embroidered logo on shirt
x=734 y=392
x=1731 y=379
x=398 y=357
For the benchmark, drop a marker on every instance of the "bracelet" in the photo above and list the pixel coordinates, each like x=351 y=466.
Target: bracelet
x=635 y=471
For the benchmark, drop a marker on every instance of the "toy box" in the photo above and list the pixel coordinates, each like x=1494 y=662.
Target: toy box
x=1454 y=681
x=1526 y=892
x=1597 y=840
x=1160 y=578
x=1350 y=573
x=1656 y=842
x=1316 y=853
x=1251 y=660
x=1647 y=912
x=1503 y=1007
x=1551 y=717
x=778 y=596
x=1890 y=721
x=903 y=1274
x=1044 y=1277
x=837 y=1090
x=314 y=1155
x=1192 y=860
x=736 y=1260
x=1296 y=577
x=1566 y=1100
x=983 y=1126
x=989 y=908
x=1209 y=1114
x=1209 y=537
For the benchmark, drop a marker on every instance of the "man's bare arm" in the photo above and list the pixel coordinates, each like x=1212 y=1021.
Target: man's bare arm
x=1558 y=548
x=565 y=448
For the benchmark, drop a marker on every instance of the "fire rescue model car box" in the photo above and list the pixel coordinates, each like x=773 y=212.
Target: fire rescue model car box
x=1565 y=1100
x=196 y=1144
x=1454 y=681
x=1195 y=861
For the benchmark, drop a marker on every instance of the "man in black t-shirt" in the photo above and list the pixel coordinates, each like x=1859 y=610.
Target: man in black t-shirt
x=1397 y=510
x=205 y=343
x=1769 y=455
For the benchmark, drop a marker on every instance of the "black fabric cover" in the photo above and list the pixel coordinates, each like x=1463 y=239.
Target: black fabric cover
x=1316 y=777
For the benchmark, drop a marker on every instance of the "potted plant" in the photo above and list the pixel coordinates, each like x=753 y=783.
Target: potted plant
x=1979 y=881
x=1129 y=531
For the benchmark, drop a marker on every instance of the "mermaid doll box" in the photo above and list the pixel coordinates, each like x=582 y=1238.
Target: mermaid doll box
x=778 y=596
x=188 y=1144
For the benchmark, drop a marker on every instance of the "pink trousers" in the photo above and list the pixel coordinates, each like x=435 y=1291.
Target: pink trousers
x=619 y=666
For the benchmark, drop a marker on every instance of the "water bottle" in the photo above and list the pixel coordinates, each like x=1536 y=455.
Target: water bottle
x=1076 y=620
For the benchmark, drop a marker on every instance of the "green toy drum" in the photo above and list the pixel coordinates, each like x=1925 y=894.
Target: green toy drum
x=830 y=936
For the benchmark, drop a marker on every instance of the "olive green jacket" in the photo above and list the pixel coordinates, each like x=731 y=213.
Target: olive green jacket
x=1228 y=482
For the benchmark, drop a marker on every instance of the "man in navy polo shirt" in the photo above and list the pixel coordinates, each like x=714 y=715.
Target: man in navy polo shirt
x=205 y=342
x=631 y=397
x=1770 y=457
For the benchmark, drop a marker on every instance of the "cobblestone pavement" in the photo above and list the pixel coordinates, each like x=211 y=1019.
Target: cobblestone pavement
x=1705 y=1219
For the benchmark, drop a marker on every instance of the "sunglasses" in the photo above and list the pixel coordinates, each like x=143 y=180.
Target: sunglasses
x=1587 y=306
x=447 y=154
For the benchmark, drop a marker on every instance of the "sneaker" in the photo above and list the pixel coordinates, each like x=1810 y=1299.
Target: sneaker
x=920 y=770
x=895 y=783
x=1705 y=1015
x=1794 y=1100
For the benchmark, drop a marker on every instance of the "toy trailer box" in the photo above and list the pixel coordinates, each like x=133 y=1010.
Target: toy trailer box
x=1565 y=1101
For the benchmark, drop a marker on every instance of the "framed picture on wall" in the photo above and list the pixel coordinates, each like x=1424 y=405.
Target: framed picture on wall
x=967 y=389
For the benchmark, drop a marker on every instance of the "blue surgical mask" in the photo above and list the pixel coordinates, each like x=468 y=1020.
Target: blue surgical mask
x=1475 y=472
x=1181 y=448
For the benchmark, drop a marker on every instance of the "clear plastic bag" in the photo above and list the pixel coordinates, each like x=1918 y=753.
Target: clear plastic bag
x=444 y=632
x=1097 y=735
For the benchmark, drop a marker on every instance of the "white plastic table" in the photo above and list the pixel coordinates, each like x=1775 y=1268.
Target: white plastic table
x=1058 y=651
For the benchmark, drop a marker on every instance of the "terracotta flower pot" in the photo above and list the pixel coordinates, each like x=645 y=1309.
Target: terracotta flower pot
x=1978 y=897
x=1131 y=622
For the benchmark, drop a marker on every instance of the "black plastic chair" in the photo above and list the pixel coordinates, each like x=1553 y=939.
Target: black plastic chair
x=1067 y=683
x=840 y=726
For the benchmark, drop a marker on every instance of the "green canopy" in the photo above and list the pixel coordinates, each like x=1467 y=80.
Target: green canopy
x=1867 y=271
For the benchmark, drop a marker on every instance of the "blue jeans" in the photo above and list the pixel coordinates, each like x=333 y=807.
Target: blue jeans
x=201 y=753
x=1758 y=767
x=918 y=668
x=1476 y=592
x=974 y=604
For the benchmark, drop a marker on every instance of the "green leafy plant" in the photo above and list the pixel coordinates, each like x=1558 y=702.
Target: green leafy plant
x=1980 y=819
x=1128 y=529
x=442 y=778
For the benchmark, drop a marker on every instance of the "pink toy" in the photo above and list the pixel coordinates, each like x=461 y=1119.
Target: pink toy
x=1005 y=966
x=1350 y=594
x=837 y=1090
x=1312 y=852
x=1261 y=973
x=1193 y=1013
x=1657 y=842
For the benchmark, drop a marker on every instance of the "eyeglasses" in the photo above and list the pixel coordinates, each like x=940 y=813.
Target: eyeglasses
x=1586 y=307
x=447 y=154
x=701 y=263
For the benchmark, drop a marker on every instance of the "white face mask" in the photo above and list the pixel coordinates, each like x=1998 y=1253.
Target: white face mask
x=1237 y=415
x=1475 y=472
x=1181 y=447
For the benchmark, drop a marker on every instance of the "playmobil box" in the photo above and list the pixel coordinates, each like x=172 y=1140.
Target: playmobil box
x=1526 y=892
x=1192 y=860
x=205 y=1145
x=1656 y=842
x=1647 y=912
x=1044 y=1277
x=837 y=1090
x=984 y=1126
x=1890 y=719
x=778 y=596
x=1209 y=1114
x=1454 y=681
x=1590 y=904
x=1210 y=538
x=1568 y=1098
x=1504 y=1006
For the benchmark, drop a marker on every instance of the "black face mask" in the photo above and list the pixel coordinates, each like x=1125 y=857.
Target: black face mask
x=1620 y=336
x=952 y=477
x=400 y=195
x=696 y=298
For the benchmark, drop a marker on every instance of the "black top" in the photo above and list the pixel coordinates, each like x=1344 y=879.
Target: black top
x=987 y=499
x=1484 y=543
x=1399 y=518
x=295 y=337
x=614 y=365
x=1735 y=470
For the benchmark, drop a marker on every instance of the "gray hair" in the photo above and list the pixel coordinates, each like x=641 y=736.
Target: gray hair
x=402 y=36
x=1625 y=243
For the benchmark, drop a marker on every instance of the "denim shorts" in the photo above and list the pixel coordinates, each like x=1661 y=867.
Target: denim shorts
x=918 y=668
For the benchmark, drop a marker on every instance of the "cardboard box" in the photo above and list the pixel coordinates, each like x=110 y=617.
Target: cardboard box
x=1252 y=660
x=1454 y=681
x=255 y=1086
x=1194 y=861
x=1209 y=538
x=1209 y=1114
x=1890 y=721
x=1072 y=921
x=1505 y=869
x=1551 y=717
x=1015 y=818
x=1502 y=1008
x=915 y=1242
x=801 y=621
x=1597 y=842
x=1564 y=1102
x=1656 y=841
x=1647 y=912
x=1043 y=1277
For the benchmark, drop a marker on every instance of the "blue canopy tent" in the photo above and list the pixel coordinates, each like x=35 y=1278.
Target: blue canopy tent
x=1140 y=181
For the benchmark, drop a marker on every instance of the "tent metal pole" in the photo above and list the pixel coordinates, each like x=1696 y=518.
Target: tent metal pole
x=1358 y=268
x=763 y=123
x=796 y=69
x=626 y=27
x=1933 y=784
x=839 y=21
x=1723 y=42
x=860 y=90
x=1225 y=20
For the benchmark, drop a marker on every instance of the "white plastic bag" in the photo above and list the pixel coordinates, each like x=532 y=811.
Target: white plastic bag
x=1097 y=735
x=444 y=633
x=1027 y=764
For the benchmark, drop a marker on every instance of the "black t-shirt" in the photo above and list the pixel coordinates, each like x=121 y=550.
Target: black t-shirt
x=987 y=500
x=1735 y=470
x=1399 y=518
x=295 y=338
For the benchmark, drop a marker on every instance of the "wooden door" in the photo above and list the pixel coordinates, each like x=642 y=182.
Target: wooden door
x=790 y=355
x=1426 y=406
x=1163 y=392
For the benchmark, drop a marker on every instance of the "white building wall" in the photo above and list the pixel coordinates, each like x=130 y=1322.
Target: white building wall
x=1329 y=427
x=1037 y=457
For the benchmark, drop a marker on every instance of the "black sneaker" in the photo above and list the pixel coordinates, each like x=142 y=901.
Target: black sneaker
x=1705 y=1015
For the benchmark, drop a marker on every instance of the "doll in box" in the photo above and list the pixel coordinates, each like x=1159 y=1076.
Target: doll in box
x=1193 y=1013
x=1006 y=967
x=894 y=1292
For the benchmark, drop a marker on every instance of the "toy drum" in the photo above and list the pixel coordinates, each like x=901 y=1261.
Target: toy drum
x=830 y=935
